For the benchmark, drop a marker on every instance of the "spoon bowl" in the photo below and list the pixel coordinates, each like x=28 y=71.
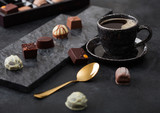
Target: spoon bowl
x=84 y=74
x=87 y=72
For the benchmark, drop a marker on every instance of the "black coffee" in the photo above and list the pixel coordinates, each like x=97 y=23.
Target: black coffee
x=118 y=23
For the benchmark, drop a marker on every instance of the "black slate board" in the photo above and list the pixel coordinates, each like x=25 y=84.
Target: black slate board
x=35 y=71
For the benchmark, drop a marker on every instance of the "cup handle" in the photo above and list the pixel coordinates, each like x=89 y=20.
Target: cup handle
x=144 y=27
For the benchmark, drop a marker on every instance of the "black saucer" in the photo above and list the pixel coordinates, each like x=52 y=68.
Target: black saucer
x=95 y=48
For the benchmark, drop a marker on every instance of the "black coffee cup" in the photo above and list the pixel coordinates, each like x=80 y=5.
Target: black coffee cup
x=118 y=32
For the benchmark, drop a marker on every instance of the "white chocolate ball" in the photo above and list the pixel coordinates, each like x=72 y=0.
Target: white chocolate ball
x=76 y=101
x=13 y=62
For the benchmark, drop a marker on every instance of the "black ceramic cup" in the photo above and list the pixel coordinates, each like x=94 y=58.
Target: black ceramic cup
x=120 y=43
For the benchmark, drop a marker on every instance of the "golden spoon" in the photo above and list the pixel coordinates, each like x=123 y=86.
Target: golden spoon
x=86 y=73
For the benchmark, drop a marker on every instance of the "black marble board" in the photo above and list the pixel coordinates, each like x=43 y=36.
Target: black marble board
x=50 y=60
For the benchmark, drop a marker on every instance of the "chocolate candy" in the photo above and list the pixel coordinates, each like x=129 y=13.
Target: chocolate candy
x=122 y=76
x=45 y=42
x=13 y=62
x=76 y=101
x=78 y=55
x=56 y=1
x=29 y=50
x=24 y=8
x=74 y=22
x=9 y=8
x=60 y=31
x=39 y=2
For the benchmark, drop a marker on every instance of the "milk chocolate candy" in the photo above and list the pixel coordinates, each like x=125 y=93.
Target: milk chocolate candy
x=39 y=2
x=74 y=22
x=57 y=1
x=24 y=8
x=122 y=76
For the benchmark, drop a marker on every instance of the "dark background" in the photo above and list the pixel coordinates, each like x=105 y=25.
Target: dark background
x=104 y=96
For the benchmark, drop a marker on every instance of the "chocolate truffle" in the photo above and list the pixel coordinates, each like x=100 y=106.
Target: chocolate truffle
x=57 y=1
x=78 y=55
x=13 y=62
x=24 y=8
x=45 y=42
x=122 y=76
x=9 y=8
x=29 y=50
x=60 y=31
x=74 y=22
x=39 y=2
x=76 y=101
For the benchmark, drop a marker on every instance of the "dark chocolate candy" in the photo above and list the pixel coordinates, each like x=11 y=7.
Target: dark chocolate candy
x=45 y=42
x=78 y=55
x=9 y=8
x=122 y=76
x=74 y=22
x=29 y=50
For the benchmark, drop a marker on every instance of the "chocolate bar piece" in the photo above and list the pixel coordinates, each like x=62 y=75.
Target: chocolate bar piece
x=24 y=8
x=74 y=22
x=9 y=8
x=122 y=76
x=29 y=50
x=45 y=42
x=78 y=55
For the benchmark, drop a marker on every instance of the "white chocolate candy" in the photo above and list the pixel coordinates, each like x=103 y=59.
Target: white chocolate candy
x=76 y=101
x=60 y=31
x=13 y=62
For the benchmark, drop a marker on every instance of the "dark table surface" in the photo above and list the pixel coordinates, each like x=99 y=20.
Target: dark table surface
x=104 y=96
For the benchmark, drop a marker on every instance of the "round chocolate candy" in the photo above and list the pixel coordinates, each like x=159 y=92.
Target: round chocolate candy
x=122 y=76
x=60 y=31
x=13 y=62
x=76 y=101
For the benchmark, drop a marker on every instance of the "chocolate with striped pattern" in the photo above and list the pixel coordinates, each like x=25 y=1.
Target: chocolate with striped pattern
x=60 y=32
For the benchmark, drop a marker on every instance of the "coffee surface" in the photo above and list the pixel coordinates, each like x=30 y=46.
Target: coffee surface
x=118 y=23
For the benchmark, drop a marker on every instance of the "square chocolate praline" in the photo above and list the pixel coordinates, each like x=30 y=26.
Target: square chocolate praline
x=78 y=55
x=9 y=8
x=74 y=22
x=29 y=51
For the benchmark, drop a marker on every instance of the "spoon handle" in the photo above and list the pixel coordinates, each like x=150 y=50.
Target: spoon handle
x=51 y=91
